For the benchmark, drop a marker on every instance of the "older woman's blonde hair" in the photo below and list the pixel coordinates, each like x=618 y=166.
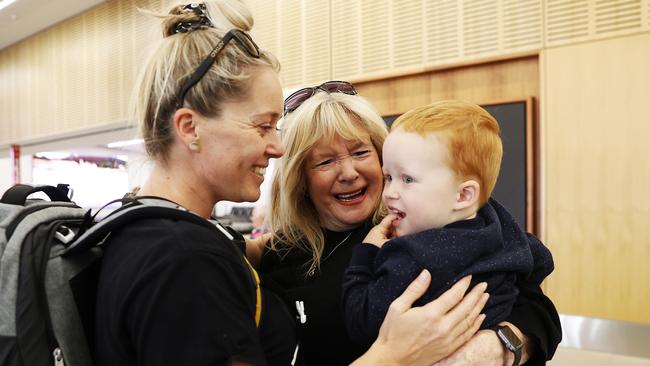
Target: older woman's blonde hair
x=293 y=217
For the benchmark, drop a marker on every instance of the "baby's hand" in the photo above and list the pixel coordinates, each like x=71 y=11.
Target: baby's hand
x=381 y=233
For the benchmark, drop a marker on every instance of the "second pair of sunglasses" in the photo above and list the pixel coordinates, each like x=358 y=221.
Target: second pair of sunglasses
x=242 y=38
x=296 y=99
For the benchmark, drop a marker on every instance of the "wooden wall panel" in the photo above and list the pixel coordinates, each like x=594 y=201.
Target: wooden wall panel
x=291 y=41
x=407 y=32
x=496 y=81
x=597 y=176
x=346 y=35
x=76 y=75
x=316 y=50
x=92 y=58
x=573 y=21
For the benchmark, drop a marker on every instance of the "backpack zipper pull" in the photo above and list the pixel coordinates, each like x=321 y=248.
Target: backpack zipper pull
x=64 y=234
x=58 y=357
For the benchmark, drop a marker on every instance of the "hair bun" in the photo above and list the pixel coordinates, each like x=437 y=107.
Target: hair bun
x=223 y=15
x=186 y=18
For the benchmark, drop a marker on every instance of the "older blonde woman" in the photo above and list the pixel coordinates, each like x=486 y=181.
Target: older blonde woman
x=325 y=193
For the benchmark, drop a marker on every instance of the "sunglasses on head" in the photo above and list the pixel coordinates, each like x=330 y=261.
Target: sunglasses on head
x=296 y=99
x=242 y=38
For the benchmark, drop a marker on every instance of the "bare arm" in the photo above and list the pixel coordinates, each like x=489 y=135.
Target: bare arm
x=484 y=348
x=423 y=335
x=255 y=248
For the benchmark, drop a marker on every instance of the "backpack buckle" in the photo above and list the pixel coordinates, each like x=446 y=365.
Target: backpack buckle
x=64 y=238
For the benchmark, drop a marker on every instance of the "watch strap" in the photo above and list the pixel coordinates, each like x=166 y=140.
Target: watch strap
x=510 y=341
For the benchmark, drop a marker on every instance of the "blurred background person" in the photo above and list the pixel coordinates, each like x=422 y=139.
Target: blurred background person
x=258 y=218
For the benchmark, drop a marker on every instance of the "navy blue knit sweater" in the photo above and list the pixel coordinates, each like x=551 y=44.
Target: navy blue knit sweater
x=491 y=247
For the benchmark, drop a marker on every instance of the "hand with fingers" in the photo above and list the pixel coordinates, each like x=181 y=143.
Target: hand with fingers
x=382 y=232
x=427 y=334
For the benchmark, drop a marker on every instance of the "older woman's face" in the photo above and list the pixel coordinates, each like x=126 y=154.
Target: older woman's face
x=344 y=181
x=236 y=147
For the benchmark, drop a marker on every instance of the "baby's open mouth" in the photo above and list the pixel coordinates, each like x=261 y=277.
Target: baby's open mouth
x=397 y=212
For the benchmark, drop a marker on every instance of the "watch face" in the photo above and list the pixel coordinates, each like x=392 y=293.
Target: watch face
x=512 y=338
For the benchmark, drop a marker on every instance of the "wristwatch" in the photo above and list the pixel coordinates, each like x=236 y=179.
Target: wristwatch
x=510 y=341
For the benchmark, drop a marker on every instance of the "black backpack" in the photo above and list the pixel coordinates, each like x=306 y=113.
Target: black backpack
x=50 y=258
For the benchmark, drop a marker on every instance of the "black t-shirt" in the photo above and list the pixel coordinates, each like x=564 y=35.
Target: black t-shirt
x=323 y=337
x=177 y=293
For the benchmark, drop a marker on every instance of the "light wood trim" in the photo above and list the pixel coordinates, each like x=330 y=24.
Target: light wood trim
x=512 y=79
x=415 y=71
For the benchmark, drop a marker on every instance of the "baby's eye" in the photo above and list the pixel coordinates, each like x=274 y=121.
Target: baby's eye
x=408 y=179
x=388 y=178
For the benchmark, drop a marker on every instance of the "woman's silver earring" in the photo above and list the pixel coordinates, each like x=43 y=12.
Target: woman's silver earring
x=194 y=145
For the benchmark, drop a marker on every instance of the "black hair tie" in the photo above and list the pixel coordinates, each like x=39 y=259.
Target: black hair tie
x=203 y=21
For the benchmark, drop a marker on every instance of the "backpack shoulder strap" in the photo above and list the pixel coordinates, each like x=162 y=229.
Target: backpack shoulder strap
x=148 y=208
x=258 y=293
x=125 y=215
x=17 y=195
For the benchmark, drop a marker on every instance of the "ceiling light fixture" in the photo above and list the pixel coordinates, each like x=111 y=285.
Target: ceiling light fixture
x=5 y=3
x=116 y=144
x=53 y=155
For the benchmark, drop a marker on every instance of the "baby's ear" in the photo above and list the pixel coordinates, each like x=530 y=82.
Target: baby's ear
x=467 y=195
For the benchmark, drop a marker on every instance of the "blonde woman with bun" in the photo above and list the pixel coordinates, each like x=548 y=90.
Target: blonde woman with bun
x=182 y=293
x=174 y=292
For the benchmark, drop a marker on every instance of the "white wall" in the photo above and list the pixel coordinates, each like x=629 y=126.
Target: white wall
x=6 y=173
x=26 y=169
x=139 y=167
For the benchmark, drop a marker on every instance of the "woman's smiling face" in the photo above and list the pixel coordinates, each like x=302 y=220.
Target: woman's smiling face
x=344 y=181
